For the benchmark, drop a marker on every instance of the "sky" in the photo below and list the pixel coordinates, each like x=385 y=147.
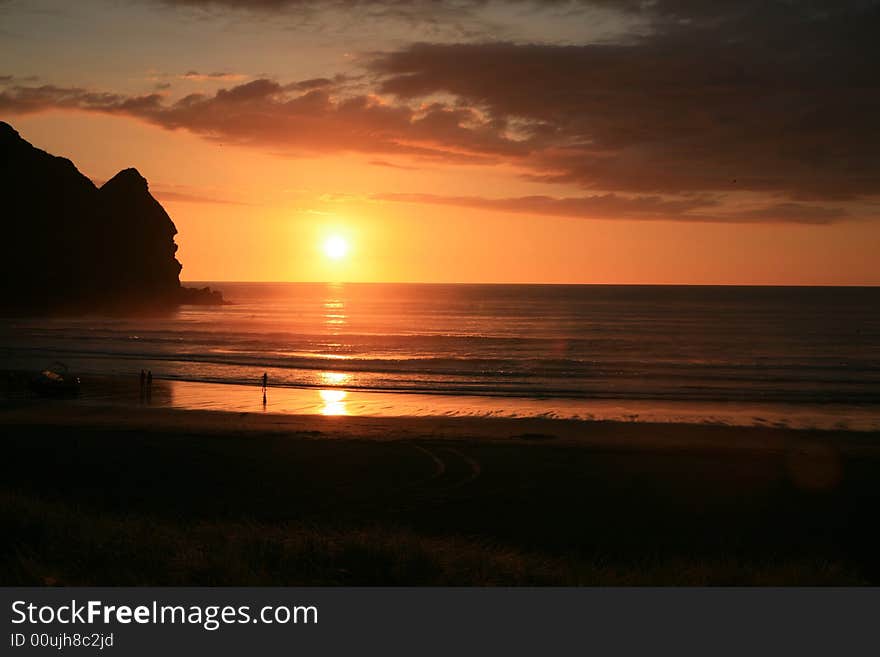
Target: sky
x=557 y=141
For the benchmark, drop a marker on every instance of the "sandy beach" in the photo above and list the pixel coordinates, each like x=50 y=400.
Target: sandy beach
x=168 y=496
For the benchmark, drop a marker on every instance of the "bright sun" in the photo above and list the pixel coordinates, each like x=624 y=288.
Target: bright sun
x=335 y=247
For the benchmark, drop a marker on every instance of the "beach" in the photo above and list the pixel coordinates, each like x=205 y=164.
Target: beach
x=449 y=435
x=112 y=495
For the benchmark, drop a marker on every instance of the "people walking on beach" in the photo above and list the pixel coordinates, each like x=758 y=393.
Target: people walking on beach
x=265 y=385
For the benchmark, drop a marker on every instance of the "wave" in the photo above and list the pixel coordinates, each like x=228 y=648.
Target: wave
x=564 y=379
x=499 y=368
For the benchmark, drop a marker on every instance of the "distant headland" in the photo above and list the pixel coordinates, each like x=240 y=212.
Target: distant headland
x=69 y=246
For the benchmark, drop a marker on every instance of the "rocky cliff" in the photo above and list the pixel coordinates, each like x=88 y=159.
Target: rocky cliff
x=68 y=245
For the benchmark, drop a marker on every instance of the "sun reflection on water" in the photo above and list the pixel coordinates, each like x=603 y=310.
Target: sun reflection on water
x=334 y=402
x=335 y=316
x=334 y=378
x=335 y=319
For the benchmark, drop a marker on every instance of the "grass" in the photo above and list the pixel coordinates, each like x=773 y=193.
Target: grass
x=52 y=543
x=107 y=506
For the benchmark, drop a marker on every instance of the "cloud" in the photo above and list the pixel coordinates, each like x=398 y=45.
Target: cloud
x=265 y=113
x=260 y=5
x=450 y=17
x=9 y=79
x=20 y=99
x=768 y=101
x=392 y=165
x=636 y=208
x=600 y=206
x=185 y=194
x=313 y=83
x=672 y=114
x=396 y=6
x=794 y=213
x=186 y=197
x=211 y=77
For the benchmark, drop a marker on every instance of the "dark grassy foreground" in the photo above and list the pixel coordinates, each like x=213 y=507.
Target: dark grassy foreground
x=89 y=506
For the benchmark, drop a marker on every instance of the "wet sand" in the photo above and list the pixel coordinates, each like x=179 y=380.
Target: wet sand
x=607 y=434
x=336 y=399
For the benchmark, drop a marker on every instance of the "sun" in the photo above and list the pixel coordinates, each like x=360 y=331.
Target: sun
x=335 y=247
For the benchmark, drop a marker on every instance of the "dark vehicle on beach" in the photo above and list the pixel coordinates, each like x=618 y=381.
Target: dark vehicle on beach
x=55 y=381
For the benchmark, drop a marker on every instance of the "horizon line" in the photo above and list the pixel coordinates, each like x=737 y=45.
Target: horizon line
x=499 y=283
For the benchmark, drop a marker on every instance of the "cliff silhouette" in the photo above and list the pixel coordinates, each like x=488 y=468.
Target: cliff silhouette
x=71 y=246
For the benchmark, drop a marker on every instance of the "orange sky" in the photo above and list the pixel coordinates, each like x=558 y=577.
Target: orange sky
x=427 y=176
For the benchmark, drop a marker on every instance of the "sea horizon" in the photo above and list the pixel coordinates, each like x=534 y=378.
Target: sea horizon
x=209 y=282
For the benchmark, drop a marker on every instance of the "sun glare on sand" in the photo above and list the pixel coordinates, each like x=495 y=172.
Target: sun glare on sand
x=334 y=402
x=335 y=247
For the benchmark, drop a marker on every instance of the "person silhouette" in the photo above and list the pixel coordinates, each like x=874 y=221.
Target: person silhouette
x=265 y=381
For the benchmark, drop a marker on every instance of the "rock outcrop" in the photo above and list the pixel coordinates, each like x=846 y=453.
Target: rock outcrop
x=68 y=245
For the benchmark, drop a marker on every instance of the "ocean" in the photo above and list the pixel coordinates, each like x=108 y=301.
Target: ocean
x=789 y=356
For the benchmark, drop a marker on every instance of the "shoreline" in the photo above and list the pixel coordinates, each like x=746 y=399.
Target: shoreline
x=336 y=399
x=594 y=434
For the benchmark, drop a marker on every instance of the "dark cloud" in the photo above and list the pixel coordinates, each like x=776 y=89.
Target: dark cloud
x=780 y=98
x=241 y=4
x=425 y=13
x=276 y=5
x=308 y=85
